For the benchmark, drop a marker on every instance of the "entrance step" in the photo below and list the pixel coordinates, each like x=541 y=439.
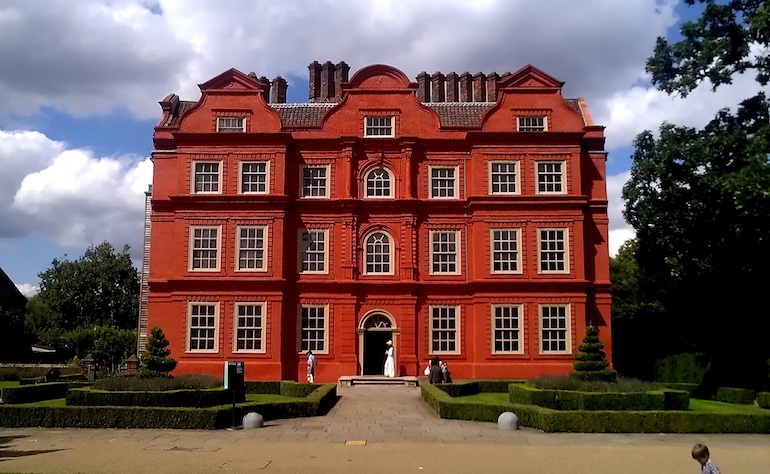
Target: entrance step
x=350 y=380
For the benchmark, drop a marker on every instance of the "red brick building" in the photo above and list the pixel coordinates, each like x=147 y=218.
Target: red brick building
x=462 y=216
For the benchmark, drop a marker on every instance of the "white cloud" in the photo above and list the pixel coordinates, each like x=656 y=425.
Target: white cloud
x=627 y=113
x=28 y=289
x=620 y=230
x=92 y=56
x=70 y=196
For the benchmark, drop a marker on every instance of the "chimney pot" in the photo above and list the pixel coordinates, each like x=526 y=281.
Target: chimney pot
x=340 y=76
x=492 y=79
x=466 y=87
x=327 y=81
x=437 y=89
x=452 y=91
x=279 y=90
x=314 y=80
x=479 y=87
x=423 y=87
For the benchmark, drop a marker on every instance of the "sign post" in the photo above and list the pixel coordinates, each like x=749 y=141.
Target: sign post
x=235 y=383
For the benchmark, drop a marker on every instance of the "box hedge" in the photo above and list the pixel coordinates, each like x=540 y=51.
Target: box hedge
x=741 y=396
x=170 y=398
x=472 y=387
x=33 y=393
x=577 y=400
x=763 y=399
x=599 y=421
x=317 y=402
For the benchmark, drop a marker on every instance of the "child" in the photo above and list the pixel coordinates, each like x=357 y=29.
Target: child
x=701 y=454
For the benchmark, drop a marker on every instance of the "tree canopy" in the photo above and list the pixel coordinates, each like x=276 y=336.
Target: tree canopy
x=99 y=288
x=699 y=200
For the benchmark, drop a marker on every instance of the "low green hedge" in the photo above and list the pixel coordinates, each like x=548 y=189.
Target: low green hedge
x=12 y=416
x=599 y=421
x=576 y=400
x=472 y=387
x=170 y=398
x=741 y=396
x=763 y=399
x=271 y=387
x=33 y=393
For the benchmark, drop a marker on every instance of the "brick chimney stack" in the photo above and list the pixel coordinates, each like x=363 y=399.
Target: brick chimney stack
x=327 y=82
x=314 y=79
x=452 y=92
x=279 y=91
x=341 y=75
x=466 y=87
x=423 y=87
x=437 y=89
x=492 y=79
x=266 y=84
x=479 y=87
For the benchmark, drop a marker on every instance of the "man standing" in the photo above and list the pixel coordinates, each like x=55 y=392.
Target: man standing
x=310 y=367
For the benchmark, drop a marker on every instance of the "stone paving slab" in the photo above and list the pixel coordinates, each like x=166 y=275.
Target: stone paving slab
x=400 y=434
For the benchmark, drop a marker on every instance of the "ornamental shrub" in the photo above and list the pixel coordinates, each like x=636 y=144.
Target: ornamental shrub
x=591 y=362
x=155 y=362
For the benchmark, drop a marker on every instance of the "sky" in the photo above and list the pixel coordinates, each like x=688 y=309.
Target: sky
x=80 y=83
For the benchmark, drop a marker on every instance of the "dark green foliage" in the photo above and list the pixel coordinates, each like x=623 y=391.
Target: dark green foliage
x=699 y=204
x=184 y=381
x=695 y=390
x=155 y=362
x=592 y=360
x=33 y=393
x=295 y=389
x=549 y=420
x=270 y=387
x=18 y=373
x=171 y=398
x=740 y=396
x=681 y=368
x=763 y=399
x=575 y=400
x=100 y=288
x=570 y=383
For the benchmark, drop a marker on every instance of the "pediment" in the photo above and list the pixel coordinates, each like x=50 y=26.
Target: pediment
x=232 y=79
x=530 y=77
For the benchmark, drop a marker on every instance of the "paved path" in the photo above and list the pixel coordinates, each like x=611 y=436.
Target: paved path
x=388 y=429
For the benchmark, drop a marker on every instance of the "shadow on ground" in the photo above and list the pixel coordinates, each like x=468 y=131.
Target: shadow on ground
x=6 y=453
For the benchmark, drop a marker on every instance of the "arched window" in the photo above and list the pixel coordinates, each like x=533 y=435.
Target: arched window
x=378 y=183
x=378 y=254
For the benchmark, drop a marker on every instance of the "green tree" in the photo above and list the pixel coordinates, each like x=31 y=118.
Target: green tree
x=100 y=288
x=114 y=344
x=700 y=199
x=155 y=362
x=591 y=362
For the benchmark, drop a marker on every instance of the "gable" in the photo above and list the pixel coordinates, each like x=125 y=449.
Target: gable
x=232 y=80
x=530 y=77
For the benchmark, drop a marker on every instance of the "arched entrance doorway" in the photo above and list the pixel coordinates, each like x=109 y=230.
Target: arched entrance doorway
x=376 y=329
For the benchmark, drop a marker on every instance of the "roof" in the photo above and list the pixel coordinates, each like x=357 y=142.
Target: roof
x=451 y=114
x=10 y=296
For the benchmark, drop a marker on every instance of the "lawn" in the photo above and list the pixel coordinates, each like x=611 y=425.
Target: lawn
x=8 y=384
x=700 y=406
x=269 y=398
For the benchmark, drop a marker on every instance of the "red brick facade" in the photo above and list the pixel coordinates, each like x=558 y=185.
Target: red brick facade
x=474 y=231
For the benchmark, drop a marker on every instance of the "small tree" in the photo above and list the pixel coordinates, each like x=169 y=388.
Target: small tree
x=155 y=362
x=592 y=362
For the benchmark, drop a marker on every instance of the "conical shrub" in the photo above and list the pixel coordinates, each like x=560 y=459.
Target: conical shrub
x=591 y=362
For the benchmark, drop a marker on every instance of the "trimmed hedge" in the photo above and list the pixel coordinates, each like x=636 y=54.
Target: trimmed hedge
x=170 y=398
x=603 y=421
x=472 y=387
x=33 y=393
x=576 y=400
x=740 y=396
x=273 y=387
x=11 y=416
x=763 y=399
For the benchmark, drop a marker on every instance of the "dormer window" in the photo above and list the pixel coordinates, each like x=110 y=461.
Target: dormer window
x=378 y=127
x=532 y=124
x=231 y=124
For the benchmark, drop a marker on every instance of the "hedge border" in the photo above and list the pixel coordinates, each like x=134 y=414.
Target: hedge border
x=763 y=399
x=33 y=393
x=160 y=399
x=318 y=402
x=556 y=399
x=599 y=421
x=740 y=396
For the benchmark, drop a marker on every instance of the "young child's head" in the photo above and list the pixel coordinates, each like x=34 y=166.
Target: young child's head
x=700 y=453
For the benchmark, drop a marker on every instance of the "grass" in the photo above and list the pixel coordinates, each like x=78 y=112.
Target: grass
x=56 y=402
x=8 y=384
x=696 y=405
x=269 y=398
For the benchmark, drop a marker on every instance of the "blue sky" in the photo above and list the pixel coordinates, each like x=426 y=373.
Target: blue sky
x=81 y=82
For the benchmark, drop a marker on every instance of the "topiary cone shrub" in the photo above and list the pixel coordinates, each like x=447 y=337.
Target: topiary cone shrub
x=155 y=362
x=591 y=362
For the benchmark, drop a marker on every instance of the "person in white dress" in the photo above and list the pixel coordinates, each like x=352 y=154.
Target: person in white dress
x=390 y=362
